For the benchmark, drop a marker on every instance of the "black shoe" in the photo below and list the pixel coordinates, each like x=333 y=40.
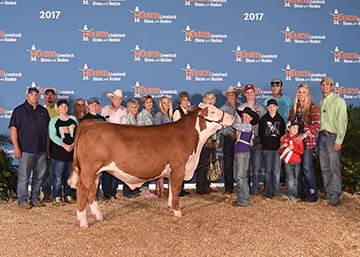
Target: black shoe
x=183 y=193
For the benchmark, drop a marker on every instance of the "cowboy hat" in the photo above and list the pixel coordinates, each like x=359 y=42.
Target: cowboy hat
x=231 y=89
x=254 y=115
x=117 y=94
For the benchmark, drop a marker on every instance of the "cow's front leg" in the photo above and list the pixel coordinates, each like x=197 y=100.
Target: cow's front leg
x=81 y=197
x=173 y=202
x=94 y=207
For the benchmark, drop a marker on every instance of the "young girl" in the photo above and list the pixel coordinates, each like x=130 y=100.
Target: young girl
x=291 y=151
x=244 y=135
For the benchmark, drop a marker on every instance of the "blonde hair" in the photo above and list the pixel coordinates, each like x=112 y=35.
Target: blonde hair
x=307 y=112
x=168 y=114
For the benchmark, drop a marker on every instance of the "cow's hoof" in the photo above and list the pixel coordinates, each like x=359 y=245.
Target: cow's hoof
x=81 y=218
x=177 y=213
x=94 y=207
x=84 y=226
x=101 y=218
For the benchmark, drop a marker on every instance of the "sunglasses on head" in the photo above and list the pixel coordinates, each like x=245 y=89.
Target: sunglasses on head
x=276 y=83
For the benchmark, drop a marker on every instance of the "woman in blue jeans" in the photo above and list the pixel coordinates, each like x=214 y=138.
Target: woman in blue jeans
x=306 y=113
x=61 y=132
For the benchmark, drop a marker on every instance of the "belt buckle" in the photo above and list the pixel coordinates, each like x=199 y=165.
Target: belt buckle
x=325 y=133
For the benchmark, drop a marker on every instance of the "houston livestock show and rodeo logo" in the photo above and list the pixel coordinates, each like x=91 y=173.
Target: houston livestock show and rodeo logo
x=48 y=56
x=100 y=36
x=203 y=75
x=100 y=75
x=151 y=56
x=140 y=90
x=151 y=17
x=195 y=36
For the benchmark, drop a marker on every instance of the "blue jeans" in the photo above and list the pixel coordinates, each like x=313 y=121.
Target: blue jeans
x=60 y=170
x=228 y=151
x=109 y=184
x=127 y=191
x=241 y=165
x=202 y=184
x=330 y=167
x=307 y=188
x=35 y=162
x=255 y=162
x=46 y=184
x=99 y=187
x=292 y=175
x=272 y=164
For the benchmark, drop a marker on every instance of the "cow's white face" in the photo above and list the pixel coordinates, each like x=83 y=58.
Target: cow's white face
x=215 y=120
x=217 y=116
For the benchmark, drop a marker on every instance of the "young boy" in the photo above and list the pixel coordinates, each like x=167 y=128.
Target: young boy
x=271 y=129
x=244 y=135
x=291 y=156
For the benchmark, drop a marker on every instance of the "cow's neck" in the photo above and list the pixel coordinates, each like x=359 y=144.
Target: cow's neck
x=211 y=128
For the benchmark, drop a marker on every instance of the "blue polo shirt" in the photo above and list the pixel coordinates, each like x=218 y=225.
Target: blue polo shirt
x=32 y=127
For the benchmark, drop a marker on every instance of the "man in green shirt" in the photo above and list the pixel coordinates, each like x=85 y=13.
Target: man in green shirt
x=333 y=123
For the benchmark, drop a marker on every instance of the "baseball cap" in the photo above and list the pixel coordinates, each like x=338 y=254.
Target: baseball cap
x=62 y=101
x=32 y=89
x=272 y=101
x=249 y=86
x=49 y=90
x=93 y=100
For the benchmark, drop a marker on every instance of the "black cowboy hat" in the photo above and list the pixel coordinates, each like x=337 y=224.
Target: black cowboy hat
x=253 y=114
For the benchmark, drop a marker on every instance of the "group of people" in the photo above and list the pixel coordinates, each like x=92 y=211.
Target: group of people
x=281 y=129
x=285 y=135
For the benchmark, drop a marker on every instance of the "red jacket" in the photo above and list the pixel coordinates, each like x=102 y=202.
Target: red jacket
x=295 y=155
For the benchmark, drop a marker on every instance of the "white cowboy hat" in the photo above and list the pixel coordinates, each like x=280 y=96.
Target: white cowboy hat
x=232 y=89
x=117 y=94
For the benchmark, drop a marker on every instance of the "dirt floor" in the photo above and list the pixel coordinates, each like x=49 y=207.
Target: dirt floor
x=210 y=226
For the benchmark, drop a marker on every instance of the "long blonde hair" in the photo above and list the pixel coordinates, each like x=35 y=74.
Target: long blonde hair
x=307 y=112
x=167 y=114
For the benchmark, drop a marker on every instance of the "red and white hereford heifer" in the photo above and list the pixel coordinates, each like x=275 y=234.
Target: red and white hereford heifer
x=136 y=154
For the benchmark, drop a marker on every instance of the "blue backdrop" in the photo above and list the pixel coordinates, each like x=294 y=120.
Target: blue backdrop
x=85 y=48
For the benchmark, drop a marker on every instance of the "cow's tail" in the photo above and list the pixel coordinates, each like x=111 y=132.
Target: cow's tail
x=75 y=170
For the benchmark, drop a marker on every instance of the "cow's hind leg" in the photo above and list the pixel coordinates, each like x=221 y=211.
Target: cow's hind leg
x=94 y=207
x=81 y=197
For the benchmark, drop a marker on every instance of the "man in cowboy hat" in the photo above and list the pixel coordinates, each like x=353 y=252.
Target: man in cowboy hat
x=255 y=155
x=113 y=113
x=229 y=137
